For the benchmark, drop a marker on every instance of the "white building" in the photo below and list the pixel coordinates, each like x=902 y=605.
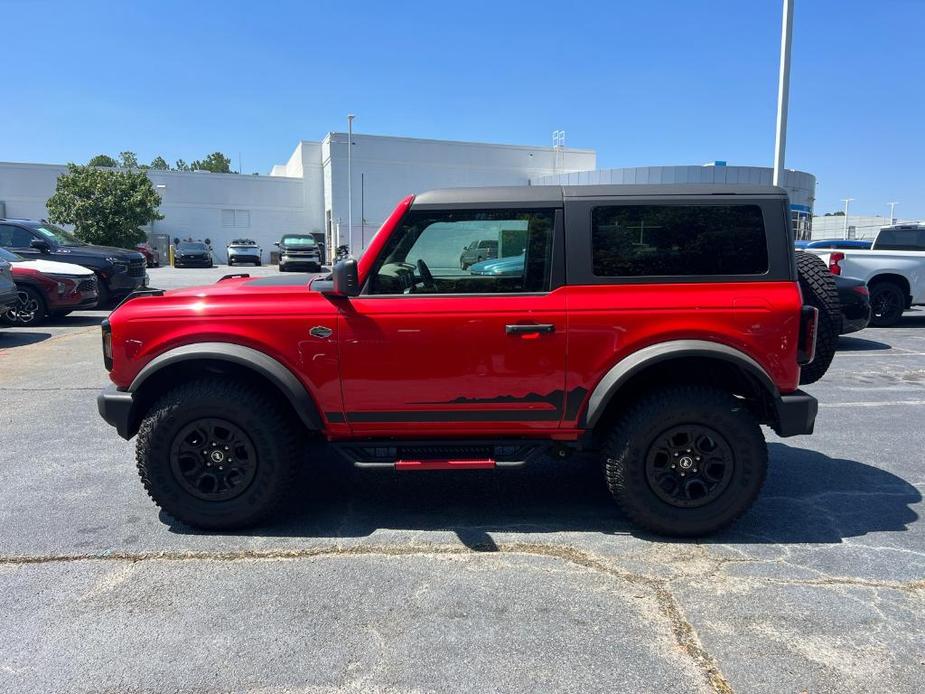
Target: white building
x=858 y=226
x=309 y=192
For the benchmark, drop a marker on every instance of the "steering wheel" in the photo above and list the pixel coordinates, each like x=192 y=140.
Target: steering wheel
x=426 y=275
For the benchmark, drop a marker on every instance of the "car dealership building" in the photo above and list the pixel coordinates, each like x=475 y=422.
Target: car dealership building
x=309 y=192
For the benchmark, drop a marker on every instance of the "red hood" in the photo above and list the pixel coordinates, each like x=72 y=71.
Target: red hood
x=238 y=296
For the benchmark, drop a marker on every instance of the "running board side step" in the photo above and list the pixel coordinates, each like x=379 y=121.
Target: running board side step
x=429 y=455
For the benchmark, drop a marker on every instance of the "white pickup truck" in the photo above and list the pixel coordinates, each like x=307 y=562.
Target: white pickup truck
x=895 y=278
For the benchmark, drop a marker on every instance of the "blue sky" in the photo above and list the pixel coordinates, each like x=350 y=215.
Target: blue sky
x=642 y=82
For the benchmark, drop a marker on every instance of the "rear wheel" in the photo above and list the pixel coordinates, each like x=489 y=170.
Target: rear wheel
x=29 y=308
x=887 y=303
x=686 y=461
x=818 y=288
x=218 y=454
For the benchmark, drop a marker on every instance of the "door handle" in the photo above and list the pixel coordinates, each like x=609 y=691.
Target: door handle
x=529 y=328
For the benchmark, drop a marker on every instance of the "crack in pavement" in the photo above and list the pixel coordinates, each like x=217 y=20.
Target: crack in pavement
x=683 y=632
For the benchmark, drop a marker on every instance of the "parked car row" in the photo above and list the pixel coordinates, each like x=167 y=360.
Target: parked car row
x=118 y=271
x=44 y=288
x=892 y=267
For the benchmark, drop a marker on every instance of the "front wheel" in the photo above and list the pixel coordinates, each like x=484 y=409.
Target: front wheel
x=887 y=303
x=686 y=461
x=29 y=308
x=218 y=454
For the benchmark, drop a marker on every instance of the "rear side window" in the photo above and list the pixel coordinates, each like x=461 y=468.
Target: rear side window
x=901 y=239
x=678 y=240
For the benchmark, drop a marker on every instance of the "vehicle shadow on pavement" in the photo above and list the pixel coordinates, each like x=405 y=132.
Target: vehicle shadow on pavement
x=18 y=338
x=858 y=344
x=808 y=497
x=75 y=321
x=910 y=320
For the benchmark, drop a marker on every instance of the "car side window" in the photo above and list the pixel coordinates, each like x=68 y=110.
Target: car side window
x=14 y=237
x=678 y=240
x=427 y=253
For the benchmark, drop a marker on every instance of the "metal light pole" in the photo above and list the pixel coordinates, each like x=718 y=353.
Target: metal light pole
x=892 y=205
x=846 y=201
x=783 y=91
x=350 y=118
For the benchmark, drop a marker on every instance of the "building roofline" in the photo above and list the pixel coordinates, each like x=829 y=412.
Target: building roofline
x=463 y=143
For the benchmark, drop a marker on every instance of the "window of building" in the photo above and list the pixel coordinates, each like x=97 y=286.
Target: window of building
x=427 y=253
x=236 y=218
x=678 y=240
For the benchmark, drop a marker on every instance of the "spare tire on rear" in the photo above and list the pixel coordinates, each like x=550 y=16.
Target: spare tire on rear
x=819 y=290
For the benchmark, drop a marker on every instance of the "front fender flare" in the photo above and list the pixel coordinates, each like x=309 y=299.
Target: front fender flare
x=628 y=367
x=268 y=367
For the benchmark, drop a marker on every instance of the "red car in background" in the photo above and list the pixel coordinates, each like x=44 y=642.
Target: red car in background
x=150 y=254
x=47 y=288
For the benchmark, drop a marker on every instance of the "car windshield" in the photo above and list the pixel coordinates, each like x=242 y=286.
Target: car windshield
x=243 y=242
x=9 y=256
x=298 y=241
x=58 y=235
x=191 y=246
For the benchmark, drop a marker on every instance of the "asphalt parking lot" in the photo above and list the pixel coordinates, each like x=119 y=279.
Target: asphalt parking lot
x=516 y=580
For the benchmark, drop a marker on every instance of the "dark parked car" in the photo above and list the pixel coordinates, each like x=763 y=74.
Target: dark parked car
x=192 y=254
x=299 y=252
x=47 y=288
x=477 y=251
x=118 y=271
x=855 y=304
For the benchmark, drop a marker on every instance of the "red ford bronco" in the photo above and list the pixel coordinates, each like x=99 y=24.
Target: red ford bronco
x=659 y=325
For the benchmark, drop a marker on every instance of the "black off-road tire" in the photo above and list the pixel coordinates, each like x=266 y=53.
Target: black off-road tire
x=819 y=290
x=273 y=431
x=887 y=303
x=638 y=433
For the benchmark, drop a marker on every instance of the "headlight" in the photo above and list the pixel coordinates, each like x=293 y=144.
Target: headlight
x=118 y=265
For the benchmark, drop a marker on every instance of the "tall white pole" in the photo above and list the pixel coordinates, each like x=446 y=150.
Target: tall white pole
x=783 y=91
x=892 y=218
x=846 y=201
x=350 y=118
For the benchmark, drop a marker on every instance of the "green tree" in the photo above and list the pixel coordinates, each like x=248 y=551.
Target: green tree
x=128 y=160
x=160 y=164
x=102 y=160
x=106 y=207
x=215 y=162
x=182 y=165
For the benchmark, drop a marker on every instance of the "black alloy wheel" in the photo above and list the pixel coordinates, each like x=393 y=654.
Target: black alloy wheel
x=689 y=465
x=213 y=459
x=887 y=304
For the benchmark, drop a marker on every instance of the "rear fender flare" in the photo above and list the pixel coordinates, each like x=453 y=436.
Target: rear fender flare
x=626 y=368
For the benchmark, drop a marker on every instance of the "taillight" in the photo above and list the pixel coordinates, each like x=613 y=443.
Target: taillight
x=107 y=345
x=862 y=290
x=809 y=326
x=834 y=260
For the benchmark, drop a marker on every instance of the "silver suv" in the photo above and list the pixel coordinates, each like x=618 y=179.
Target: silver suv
x=299 y=252
x=244 y=251
x=7 y=286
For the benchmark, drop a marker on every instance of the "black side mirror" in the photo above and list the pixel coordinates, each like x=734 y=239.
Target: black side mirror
x=276 y=243
x=41 y=245
x=344 y=279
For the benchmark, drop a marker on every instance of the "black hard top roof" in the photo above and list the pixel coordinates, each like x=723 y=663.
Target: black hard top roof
x=554 y=195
